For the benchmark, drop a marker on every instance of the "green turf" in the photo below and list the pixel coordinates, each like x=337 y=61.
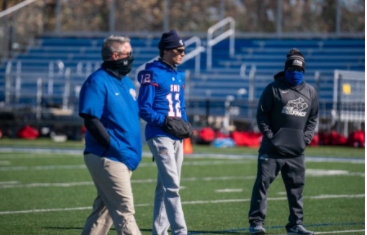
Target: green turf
x=206 y=217
x=327 y=151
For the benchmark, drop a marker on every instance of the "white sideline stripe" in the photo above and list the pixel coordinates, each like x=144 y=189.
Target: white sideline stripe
x=72 y=184
x=324 y=172
x=195 y=155
x=342 y=231
x=54 y=167
x=8 y=182
x=185 y=203
x=229 y=190
x=58 y=167
x=334 y=196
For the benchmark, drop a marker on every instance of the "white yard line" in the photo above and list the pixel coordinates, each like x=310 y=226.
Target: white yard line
x=79 y=152
x=342 y=231
x=324 y=172
x=229 y=190
x=63 y=167
x=5 y=163
x=185 y=203
x=73 y=184
x=8 y=182
x=33 y=168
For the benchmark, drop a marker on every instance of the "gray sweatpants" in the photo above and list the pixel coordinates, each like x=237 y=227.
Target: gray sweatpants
x=168 y=155
x=293 y=174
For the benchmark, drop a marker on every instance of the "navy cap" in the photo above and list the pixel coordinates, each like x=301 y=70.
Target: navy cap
x=295 y=58
x=170 y=40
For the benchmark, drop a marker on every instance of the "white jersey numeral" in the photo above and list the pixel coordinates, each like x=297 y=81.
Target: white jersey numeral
x=171 y=111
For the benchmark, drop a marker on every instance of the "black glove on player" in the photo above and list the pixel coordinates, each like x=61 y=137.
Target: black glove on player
x=177 y=127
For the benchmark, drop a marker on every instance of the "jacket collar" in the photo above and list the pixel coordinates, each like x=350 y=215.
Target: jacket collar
x=173 y=67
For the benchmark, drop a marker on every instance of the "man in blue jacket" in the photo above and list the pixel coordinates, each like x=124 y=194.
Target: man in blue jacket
x=162 y=105
x=112 y=142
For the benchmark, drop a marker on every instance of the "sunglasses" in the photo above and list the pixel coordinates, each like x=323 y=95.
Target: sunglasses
x=180 y=51
x=130 y=53
x=292 y=69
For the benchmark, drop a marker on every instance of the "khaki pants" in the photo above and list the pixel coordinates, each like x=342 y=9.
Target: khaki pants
x=114 y=202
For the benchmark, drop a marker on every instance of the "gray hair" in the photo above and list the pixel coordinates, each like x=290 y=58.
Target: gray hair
x=111 y=45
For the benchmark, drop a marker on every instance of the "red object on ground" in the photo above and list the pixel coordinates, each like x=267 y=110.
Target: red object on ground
x=221 y=135
x=207 y=134
x=336 y=139
x=249 y=139
x=356 y=139
x=27 y=132
x=315 y=140
x=323 y=138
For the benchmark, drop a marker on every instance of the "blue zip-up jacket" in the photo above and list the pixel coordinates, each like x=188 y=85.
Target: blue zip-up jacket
x=161 y=94
x=113 y=101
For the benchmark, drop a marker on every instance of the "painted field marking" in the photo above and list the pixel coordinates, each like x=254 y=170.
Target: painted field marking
x=5 y=163
x=229 y=190
x=8 y=182
x=279 y=226
x=324 y=172
x=63 y=167
x=195 y=155
x=86 y=183
x=341 y=231
x=186 y=203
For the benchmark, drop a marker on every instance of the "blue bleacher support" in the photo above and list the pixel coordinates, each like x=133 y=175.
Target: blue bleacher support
x=323 y=55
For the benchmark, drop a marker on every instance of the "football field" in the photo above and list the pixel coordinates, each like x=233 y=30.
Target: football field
x=52 y=193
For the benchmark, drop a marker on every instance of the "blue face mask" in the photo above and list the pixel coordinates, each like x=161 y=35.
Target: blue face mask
x=294 y=77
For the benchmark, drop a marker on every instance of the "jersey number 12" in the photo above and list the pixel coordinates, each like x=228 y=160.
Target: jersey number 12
x=174 y=112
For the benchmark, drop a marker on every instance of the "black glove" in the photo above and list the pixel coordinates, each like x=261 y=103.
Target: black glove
x=177 y=127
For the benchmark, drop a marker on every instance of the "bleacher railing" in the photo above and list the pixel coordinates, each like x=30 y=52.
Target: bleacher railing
x=194 y=53
x=211 y=42
x=17 y=28
x=250 y=77
x=348 y=99
x=14 y=81
x=51 y=74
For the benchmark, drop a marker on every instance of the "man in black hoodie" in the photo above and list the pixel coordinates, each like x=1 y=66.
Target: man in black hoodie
x=287 y=116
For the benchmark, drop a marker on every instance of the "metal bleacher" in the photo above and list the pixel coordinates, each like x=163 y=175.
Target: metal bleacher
x=323 y=56
x=52 y=59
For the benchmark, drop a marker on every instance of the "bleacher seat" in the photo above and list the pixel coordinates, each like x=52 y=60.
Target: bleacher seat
x=223 y=80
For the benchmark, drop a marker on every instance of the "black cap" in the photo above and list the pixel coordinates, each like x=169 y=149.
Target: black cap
x=170 y=40
x=295 y=58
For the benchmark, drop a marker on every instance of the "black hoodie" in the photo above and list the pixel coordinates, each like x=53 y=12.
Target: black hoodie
x=287 y=117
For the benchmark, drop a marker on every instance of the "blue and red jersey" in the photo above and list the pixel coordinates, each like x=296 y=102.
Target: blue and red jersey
x=161 y=94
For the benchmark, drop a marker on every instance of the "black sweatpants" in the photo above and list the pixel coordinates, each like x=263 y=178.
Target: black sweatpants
x=293 y=174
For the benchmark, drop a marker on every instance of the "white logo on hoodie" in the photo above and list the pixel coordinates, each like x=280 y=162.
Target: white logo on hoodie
x=295 y=107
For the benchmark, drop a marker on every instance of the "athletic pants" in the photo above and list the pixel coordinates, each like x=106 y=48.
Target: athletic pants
x=293 y=174
x=114 y=202
x=168 y=155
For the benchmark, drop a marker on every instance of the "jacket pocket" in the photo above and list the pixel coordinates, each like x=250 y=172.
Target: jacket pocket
x=114 y=145
x=289 y=142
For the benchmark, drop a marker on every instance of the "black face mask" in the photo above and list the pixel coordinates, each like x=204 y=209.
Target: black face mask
x=119 y=68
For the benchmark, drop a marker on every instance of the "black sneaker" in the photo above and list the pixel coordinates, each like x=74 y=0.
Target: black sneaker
x=258 y=229
x=298 y=229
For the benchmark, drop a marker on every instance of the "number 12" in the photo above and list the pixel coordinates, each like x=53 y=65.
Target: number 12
x=171 y=112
